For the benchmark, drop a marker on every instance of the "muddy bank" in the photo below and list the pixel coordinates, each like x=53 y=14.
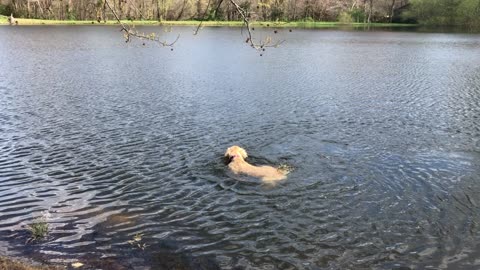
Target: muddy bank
x=16 y=264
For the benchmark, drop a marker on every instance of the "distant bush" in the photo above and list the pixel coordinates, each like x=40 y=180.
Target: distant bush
x=276 y=14
x=5 y=10
x=71 y=16
x=309 y=19
x=440 y=12
x=468 y=13
x=358 y=15
x=345 y=18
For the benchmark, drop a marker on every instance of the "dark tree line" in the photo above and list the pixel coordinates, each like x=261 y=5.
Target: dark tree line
x=434 y=12
x=445 y=12
x=262 y=10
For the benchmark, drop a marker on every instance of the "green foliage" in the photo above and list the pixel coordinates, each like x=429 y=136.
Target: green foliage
x=71 y=16
x=99 y=3
x=276 y=14
x=215 y=15
x=468 y=13
x=38 y=230
x=358 y=15
x=445 y=12
x=2 y=10
x=308 y=12
x=345 y=18
x=309 y=19
x=6 y=10
x=355 y=15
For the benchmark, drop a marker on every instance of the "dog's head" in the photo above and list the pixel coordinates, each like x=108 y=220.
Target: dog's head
x=235 y=151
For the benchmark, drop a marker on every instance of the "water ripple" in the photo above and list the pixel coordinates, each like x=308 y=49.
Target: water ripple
x=380 y=127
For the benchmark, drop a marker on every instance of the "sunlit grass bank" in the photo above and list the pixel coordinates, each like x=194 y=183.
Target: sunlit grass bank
x=3 y=19
x=299 y=24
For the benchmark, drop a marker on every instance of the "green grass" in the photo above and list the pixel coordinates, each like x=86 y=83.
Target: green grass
x=3 y=19
x=38 y=230
x=299 y=24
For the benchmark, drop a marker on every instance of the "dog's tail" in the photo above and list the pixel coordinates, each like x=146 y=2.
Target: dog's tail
x=285 y=169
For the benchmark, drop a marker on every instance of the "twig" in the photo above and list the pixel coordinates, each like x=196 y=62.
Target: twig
x=202 y=19
x=131 y=32
x=258 y=46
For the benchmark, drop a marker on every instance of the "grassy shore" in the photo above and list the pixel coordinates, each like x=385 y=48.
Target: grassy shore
x=10 y=264
x=299 y=24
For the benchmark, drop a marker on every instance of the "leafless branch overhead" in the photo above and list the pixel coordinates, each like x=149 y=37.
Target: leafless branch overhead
x=130 y=31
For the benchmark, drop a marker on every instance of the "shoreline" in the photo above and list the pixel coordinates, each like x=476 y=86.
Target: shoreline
x=298 y=24
x=7 y=262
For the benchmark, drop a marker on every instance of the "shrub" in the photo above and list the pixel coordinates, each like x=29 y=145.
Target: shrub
x=6 y=10
x=309 y=19
x=38 y=230
x=39 y=227
x=345 y=18
x=358 y=15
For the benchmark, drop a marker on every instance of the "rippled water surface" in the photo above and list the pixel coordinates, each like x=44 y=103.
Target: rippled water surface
x=116 y=140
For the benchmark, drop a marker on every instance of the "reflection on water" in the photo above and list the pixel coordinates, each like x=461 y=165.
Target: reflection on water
x=120 y=140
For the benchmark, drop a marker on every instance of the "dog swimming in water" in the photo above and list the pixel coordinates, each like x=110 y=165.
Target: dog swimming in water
x=237 y=164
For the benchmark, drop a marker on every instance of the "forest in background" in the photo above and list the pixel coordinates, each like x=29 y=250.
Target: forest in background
x=433 y=12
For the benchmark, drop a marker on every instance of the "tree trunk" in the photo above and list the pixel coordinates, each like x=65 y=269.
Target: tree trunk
x=365 y=11
x=105 y=11
x=294 y=10
x=370 y=10
x=69 y=9
x=120 y=9
x=159 y=18
x=179 y=16
x=392 y=10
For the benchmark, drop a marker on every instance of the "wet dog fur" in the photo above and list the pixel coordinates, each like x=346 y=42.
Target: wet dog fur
x=236 y=163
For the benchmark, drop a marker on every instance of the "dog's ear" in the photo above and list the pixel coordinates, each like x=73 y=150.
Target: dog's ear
x=242 y=152
x=227 y=160
x=234 y=150
x=231 y=151
x=228 y=152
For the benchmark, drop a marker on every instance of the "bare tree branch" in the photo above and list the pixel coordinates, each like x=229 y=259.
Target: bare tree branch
x=202 y=18
x=132 y=32
x=267 y=42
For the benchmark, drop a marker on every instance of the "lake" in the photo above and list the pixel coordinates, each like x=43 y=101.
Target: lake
x=121 y=147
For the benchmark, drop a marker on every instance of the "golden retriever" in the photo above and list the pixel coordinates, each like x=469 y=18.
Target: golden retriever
x=238 y=165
